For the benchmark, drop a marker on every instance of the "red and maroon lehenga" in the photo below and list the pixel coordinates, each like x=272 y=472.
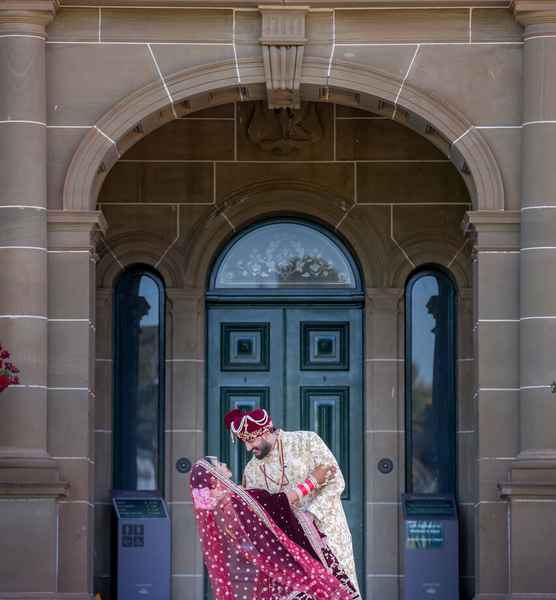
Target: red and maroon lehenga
x=257 y=548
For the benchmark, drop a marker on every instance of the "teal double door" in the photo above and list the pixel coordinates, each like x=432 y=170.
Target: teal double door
x=304 y=365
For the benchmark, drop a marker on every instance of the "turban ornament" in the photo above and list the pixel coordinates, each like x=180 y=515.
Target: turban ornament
x=248 y=426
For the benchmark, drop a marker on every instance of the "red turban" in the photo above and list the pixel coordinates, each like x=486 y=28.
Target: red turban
x=248 y=426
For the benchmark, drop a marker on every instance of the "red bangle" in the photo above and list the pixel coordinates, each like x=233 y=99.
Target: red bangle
x=310 y=484
x=303 y=489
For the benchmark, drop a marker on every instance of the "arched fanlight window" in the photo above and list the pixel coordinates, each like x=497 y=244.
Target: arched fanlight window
x=430 y=391
x=139 y=305
x=285 y=256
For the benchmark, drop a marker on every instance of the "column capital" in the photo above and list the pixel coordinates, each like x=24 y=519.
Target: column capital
x=385 y=299
x=495 y=230
x=535 y=12
x=26 y=17
x=74 y=229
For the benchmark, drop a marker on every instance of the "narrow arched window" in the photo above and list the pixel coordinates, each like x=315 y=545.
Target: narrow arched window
x=430 y=392
x=139 y=304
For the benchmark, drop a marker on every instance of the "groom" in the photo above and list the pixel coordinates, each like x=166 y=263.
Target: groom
x=283 y=461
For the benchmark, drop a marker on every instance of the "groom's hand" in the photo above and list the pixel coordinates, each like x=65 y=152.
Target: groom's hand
x=324 y=473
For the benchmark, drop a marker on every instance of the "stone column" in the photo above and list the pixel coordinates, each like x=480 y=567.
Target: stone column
x=29 y=477
x=23 y=278
x=496 y=390
x=531 y=485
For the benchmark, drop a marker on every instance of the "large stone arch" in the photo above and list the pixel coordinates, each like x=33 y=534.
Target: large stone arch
x=210 y=85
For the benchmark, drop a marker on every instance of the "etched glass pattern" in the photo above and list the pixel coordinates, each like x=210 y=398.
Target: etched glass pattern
x=285 y=255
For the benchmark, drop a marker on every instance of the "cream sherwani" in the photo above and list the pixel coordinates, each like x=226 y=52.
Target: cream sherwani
x=303 y=451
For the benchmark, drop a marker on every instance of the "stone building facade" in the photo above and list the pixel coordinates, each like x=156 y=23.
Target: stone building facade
x=153 y=133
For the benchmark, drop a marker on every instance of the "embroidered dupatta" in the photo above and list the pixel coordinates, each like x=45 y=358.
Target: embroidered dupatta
x=247 y=554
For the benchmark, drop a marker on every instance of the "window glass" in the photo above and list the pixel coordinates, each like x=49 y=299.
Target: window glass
x=138 y=386
x=285 y=255
x=430 y=384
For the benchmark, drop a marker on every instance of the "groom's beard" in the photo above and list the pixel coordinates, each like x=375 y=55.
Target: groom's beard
x=263 y=450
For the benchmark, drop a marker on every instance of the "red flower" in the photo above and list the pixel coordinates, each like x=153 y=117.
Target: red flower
x=4 y=382
x=4 y=354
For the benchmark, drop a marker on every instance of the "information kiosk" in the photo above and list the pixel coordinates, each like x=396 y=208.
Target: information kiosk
x=431 y=547
x=144 y=543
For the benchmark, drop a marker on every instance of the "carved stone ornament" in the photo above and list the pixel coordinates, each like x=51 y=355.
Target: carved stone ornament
x=284 y=131
x=283 y=42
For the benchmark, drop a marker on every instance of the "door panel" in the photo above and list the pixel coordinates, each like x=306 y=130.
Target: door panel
x=303 y=364
x=324 y=393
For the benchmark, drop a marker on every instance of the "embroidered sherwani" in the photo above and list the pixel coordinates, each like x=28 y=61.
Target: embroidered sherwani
x=303 y=451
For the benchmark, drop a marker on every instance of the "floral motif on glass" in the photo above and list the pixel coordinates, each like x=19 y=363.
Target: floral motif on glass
x=285 y=255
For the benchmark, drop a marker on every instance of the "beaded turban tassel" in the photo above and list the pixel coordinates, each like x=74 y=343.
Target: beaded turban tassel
x=248 y=426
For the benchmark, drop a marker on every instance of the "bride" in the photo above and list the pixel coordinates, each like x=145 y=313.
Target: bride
x=258 y=546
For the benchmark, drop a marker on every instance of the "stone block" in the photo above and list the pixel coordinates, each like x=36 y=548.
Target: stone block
x=76 y=529
x=537 y=416
x=402 y=26
x=494 y=25
x=85 y=81
x=469 y=76
x=69 y=286
x=538 y=176
x=385 y=487
x=392 y=60
x=75 y=25
x=539 y=59
x=182 y=443
x=22 y=73
x=103 y=467
x=498 y=431
x=214 y=140
x=69 y=354
x=173 y=58
x=497 y=356
x=492 y=575
x=336 y=178
x=498 y=286
x=410 y=183
x=61 y=144
x=23 y=278
x=103 y=391
x=537 y=340
x=466 y=466
x=506 y=145
x=533 y=545
x=166 y=25
x=186 y=552
x=381 y=139
x=76 y=471
x=28 y=534
x=23 y=168
x=383 y=531
x=186 y=400
x=68 y=419
x=384 y=407
x=156 y=221
x=491 y=471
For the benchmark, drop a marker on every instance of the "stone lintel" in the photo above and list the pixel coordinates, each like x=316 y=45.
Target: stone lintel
x=28 y=17
x=74 y=229
x=495 y=230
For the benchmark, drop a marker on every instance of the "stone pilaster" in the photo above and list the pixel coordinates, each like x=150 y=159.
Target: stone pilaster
x=71 y=388
x=496 y=387
x=530 y=487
